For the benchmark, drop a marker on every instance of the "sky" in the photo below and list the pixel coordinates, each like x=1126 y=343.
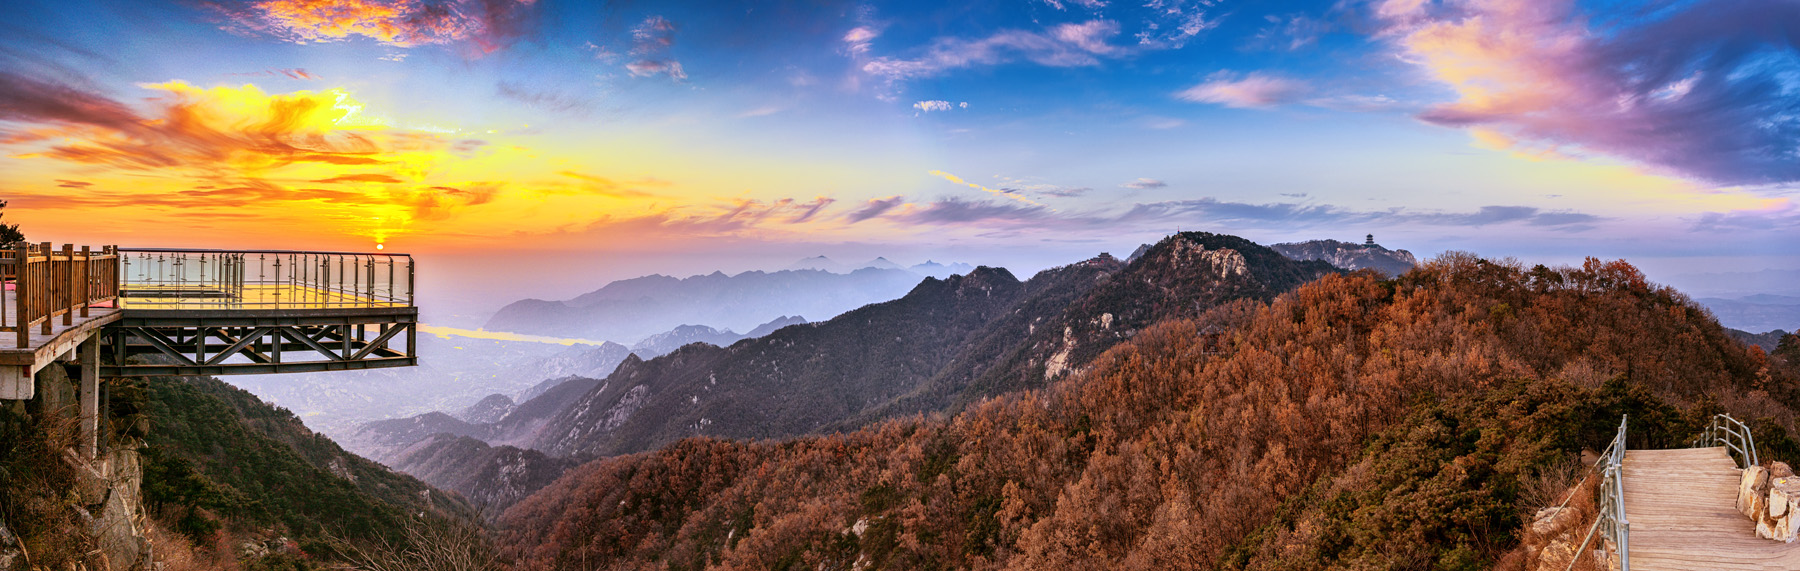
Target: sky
x=539 y=147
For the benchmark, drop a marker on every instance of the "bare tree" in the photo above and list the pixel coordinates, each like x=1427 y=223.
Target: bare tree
x=427 y=546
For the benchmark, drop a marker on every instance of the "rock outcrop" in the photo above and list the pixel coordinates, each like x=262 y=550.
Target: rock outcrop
x=1770 y=496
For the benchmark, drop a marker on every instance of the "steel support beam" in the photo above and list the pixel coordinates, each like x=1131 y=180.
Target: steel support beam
x=185 y=347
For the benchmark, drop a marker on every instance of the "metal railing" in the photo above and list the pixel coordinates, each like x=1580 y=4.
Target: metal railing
x=43 y=283
x=1733 y=435
x=1611 y=521
x=1612 y=498
x=262 y=279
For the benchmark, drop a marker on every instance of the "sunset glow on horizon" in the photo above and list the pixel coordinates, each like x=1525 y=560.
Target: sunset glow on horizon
x=1009 y=133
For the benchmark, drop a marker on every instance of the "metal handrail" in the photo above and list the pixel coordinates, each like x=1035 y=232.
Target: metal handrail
x=1612 y=497
x=238 y=251
x=178 y=279
x=1611 y=519
x=1732 y=434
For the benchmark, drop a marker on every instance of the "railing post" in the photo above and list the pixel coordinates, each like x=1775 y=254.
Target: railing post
x=21 y=293
x=44 y=295
x=67 y=303
x=87 y=258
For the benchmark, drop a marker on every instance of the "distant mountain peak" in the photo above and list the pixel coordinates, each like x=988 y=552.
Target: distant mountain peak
x=632 y=309
x=941 y=271
x=880 y=263
x=1351 y=256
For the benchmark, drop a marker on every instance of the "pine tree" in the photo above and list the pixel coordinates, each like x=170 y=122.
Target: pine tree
x=9 y=233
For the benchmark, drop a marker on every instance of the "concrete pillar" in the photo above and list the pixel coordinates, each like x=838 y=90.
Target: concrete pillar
x=90 y=397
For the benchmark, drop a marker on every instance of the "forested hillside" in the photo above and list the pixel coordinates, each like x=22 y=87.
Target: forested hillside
x=220 y=464
x=1353 y=422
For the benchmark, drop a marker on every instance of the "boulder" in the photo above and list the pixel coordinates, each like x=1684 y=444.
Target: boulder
x=1751 y=486
x=1548 y=521
x=1780 y=470
x=1779 y=518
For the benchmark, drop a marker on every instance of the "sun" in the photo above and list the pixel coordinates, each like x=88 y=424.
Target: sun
x=380 y=246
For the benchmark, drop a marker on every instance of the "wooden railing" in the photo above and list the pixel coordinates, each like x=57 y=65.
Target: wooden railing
x=43 y=284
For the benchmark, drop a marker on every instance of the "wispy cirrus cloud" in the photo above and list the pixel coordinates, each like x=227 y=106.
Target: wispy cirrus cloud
x=1781 y=215
x=956 y=211
x=1701 y=89
x=1064 y=45
x=996 y=192
x=542 y=99
x=487 y=24
x=858 y=40
x=371 y=177
x=873 y=208
x=290 y=73
x=1089 y=4
x=1253 y=90
x=651 y=41
x=1145 y=184
x=423 y=202
x=1027 y=186
x=1291 y=32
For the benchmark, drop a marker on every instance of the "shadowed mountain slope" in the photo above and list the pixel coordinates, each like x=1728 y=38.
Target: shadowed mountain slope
x=792 y=381
x=217 y=457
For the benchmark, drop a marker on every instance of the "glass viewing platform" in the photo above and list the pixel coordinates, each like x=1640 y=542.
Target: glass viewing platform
x=204 y=312
x=248 y=280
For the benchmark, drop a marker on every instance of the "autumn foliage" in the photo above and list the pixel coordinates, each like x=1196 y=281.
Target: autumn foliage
x=1352 y=422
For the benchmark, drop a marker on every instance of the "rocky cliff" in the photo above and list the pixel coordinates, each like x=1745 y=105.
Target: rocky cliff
x=1350 y=256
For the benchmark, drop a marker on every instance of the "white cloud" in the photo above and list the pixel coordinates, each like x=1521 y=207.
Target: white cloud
x=939 y=105
x=1255 y=90
x=1067 y=45
x=1145 y=184
x=857 y=40
x=1089 y=4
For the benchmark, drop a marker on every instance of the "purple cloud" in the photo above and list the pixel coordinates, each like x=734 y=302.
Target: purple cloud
x=875 y=207
x=1703 y=90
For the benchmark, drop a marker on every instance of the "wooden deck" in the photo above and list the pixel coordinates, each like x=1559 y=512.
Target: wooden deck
x=1682 y=505
x=17 y=365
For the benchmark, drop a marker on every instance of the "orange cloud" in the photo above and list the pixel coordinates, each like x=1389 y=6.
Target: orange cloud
x=381 y=178
x=402 y=23
x=1000 y=192
x=221 y=129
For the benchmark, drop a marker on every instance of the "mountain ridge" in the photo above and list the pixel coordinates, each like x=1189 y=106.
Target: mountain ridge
x=627 y=311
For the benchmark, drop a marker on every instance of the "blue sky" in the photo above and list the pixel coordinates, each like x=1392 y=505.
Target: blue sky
x=687 y=136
